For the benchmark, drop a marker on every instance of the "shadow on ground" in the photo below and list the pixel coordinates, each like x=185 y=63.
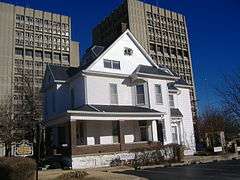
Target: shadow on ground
x=224 y=170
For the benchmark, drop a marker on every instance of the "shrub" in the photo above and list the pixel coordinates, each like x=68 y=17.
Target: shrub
x=17 y=168
x=116 y=162
x=147 y=158
x=178 y=151
x=73 y=175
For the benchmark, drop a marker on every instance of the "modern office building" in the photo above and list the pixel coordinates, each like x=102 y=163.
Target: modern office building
x=29 y=39
x=161 y=32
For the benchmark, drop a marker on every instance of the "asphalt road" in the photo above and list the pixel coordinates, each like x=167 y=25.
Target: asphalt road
x=224 y=170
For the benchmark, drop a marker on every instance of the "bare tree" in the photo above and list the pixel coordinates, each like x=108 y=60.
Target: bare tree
x=22 y=123
x=229 y=93
x=9 y=125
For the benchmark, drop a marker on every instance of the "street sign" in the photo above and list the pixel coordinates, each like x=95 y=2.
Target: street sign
x=23 y=149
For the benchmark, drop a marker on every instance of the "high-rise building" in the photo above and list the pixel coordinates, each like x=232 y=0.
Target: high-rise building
x=29 y=39
x=161 y=32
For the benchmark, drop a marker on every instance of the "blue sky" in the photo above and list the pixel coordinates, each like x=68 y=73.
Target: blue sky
x=213 y=26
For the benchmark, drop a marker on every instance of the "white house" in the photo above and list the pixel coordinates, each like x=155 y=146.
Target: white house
x=118 y=100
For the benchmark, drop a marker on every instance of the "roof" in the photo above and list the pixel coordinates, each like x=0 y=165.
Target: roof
x=181 y=82
x=63 y=73
x=154 y=70
x=175 y=112
x=91 y=55
x=115 y=108
x=171 y=86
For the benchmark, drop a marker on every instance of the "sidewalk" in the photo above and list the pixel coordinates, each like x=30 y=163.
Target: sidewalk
x=93 y=175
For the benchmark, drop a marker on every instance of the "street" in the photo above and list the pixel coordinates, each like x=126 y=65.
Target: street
x=224 y=170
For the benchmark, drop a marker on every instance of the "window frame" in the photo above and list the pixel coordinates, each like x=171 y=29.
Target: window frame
x=157 y=94
x=137 y=95
x=171 y=101
x=111 y=64
x=113 y=97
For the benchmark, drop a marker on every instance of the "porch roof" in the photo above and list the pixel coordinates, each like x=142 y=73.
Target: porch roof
x=115 y=109
x=114 y=113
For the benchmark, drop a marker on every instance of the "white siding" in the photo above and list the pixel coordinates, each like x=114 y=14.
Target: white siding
x=128 y=63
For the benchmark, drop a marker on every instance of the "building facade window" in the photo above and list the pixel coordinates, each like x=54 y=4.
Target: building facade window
x=113 y=94
x=111 y=64
x=158 y=94
x=19 y=51
x=171 y=100
x=140 y=94
x=29 y=53
x=48 y=55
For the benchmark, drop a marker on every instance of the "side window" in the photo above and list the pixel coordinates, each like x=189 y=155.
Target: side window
x=111 y=64
x=140 y=94
x=171 y=100
x=113 y=94
x=158 y=94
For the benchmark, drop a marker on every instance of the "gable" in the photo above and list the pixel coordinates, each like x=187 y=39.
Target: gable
x=120 y=51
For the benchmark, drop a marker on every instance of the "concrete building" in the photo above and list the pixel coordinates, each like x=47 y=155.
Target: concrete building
x=116 y=101
x=30 y=39
x=161 y=32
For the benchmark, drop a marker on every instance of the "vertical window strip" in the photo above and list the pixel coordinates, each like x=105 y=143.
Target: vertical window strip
x=113 y=94
x=158 y=93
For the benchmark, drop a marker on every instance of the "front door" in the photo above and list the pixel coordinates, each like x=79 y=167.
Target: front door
x=160 y=132
x=175 y=134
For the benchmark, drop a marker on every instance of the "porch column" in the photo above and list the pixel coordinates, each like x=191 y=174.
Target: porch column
x=121 y=135
x=73 y=134
x=149 y=131
x=154 y=131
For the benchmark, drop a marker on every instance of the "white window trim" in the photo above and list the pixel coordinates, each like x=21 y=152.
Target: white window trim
x=112 y=61
x=113 y=95
x=156 y=94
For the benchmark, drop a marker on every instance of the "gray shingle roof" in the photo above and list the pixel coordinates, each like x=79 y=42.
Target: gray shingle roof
x=154 y=70
x=171 y=86
x=63 y=73
x=115 y=108
x=175 y=112
x=181 y=82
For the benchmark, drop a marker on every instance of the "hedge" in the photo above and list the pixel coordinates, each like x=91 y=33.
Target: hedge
x=17 y=168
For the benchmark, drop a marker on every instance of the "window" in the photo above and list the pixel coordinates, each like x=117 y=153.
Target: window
x=56 y=56
x=140 y=94
x=174 y=135
x=171 y=100
x=158 y=93
x=72 y=98
x=19 y=52
x=39 y=54
x=113 y=94
x=111 y=64
x=65 y=57
x=115 y=64
x=48 y=55
x=107 y=63
x=29 y=53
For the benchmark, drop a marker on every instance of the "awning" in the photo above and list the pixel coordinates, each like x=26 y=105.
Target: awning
x=175 y=113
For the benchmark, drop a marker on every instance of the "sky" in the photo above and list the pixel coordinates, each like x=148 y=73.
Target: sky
x=213 y=27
